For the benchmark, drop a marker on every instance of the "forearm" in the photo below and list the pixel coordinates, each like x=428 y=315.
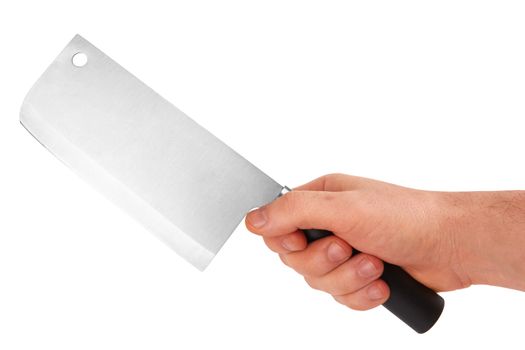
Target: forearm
x=488 y=230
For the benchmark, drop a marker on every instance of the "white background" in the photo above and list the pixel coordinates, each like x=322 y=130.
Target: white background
x=424 y=94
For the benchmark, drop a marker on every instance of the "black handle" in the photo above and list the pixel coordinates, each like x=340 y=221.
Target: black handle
x=415 y=304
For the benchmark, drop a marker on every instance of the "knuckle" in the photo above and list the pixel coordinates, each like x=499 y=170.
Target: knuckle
x=273 y=244
x=332 y=178
x=284 y=259
x=336 y=292
x=340 y=299
x=289 y=202
x=318 y=284
x=297 y=207
x=311 y=282
x=268 y=242
x=335 y=176
x=353 y=302
x=359 y=307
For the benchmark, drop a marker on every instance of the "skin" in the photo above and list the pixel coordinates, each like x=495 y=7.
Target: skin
x=445 y=240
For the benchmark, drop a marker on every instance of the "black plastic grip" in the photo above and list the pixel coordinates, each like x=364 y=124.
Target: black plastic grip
x=412 y=302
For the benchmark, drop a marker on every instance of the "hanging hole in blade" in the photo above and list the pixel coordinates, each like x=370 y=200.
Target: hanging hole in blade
x=79 y=59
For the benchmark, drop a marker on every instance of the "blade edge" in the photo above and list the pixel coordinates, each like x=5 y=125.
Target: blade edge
x=115 y=191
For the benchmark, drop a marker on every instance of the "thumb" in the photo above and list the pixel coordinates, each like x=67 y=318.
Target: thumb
x=303 y=210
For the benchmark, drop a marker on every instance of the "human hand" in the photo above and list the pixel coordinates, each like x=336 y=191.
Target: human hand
x=425 y=233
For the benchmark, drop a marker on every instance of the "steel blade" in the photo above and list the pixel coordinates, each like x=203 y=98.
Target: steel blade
x=173 y=176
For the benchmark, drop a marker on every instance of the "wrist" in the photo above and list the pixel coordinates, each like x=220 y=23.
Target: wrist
x=487 y=235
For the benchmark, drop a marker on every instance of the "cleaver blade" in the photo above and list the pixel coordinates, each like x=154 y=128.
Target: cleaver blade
x=178 y=180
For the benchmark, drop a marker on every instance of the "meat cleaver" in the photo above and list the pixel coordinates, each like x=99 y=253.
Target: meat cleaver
x=169 y=173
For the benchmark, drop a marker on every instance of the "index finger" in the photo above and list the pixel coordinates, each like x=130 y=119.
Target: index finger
x=334 y=183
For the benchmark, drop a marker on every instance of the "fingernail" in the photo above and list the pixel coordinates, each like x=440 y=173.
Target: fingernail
x=291 y=244
x=374 y=293
x=336 y=253
x=366 y=268
x=257 y=217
